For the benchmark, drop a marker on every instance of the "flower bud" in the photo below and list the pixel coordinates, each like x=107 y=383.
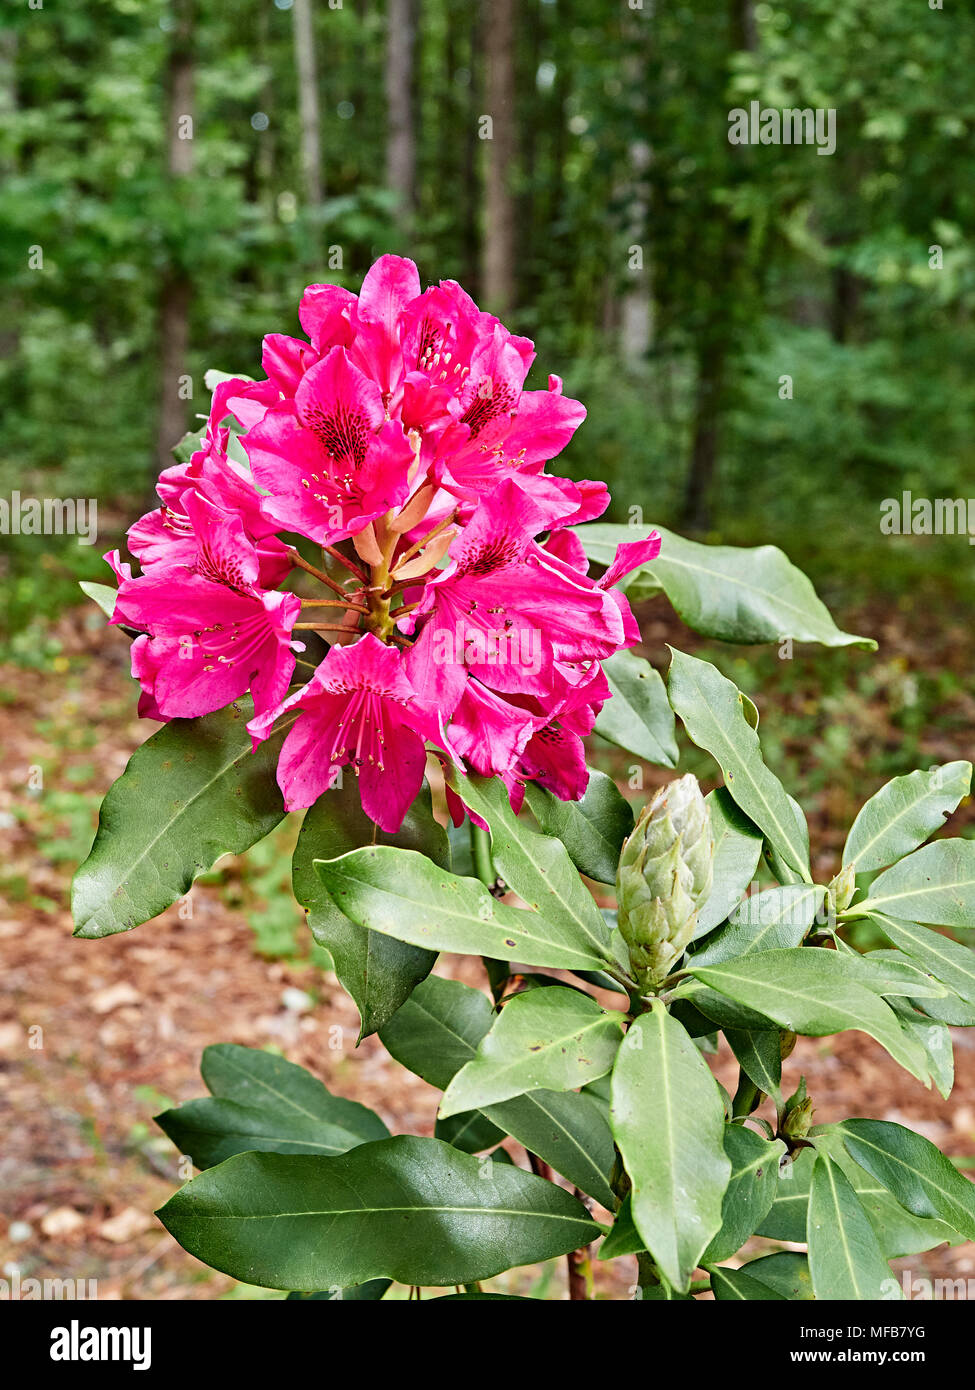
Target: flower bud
x=842 y=888
x=664 y=875
x=797 y=1113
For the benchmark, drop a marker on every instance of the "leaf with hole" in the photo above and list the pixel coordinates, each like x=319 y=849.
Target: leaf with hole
x=903 y=814
x=547 y=1039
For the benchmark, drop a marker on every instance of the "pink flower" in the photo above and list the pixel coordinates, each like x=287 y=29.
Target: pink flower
x=167 y=536
x=359 y=709
x=438 y=365
x=211 y=632
x=555 y=756
x=329 y=460
x=468 y=616
x=505 y=610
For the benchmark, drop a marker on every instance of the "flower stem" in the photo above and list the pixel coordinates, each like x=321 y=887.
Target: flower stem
x=332 y=603
x=327 y=579
x=350 y=565
x=325 y=627
x=418 y=545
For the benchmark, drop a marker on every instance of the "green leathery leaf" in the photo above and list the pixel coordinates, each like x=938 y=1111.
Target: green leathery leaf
x=786 y=1272
x=893 y=973
x=378 y=971
x=592 y=829
x=935 y=884
x=815 y=992
x=470 y=1131
x=538 y=868
x=411 y=1209
x=194 y=791
x=737 y=850
x=751 y=1188
x=935 y=1039
x=734 y=1285
x=400 y=893
x=667 y=1117
x=710 y=710
x=623 y=1238
x=845 y=1258
x=780 y=866
x=569 y=1131
x=774 y=918
x=947 y=960
x=263 y=1102
x=437 y=1031
x=546 y=1039
x=734 y=593
x=102 y=594
x=913 y=1170
x=898 y=1231
x=759 y=1054
x=638 y=716
x=903 y=814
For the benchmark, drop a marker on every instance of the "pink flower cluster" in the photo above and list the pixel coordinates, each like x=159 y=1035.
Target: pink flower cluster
x=400 y=440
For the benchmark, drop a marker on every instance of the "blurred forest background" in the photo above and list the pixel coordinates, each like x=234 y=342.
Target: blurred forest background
x=670 y=277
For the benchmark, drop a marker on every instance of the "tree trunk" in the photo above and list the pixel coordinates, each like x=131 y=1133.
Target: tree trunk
x=716 y=339
x=400 y=136
x=470 y=182
x=845 y=303
x=704 y=446
x=175 y=291
x=498 y=277
x=306 y=69
x=636 y=304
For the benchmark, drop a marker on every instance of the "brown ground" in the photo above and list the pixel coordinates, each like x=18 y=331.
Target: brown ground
x=96 y=1037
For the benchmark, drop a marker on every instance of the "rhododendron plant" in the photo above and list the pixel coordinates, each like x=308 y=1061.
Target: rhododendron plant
x=364 y=599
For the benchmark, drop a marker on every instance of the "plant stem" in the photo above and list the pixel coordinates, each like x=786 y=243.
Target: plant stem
x=326 y=579
x=498 y=971
x=481 y=853
x=579 y=1264
x=333 y=603
x=350 y=565
x=746 y=1097
x=325 y=627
